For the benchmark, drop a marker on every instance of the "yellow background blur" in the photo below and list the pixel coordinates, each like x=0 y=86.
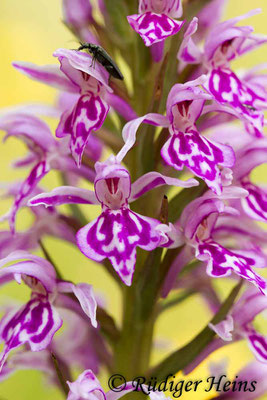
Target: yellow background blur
x=31 y=30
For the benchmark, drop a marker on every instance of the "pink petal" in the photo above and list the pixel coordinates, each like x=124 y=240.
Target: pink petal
x=255 y=204
x=88 y=115
x=85 y=295
x=153 y=27
x=198 y=154
x=224 y=328
x=86 y=385
x=121 y=106
x=188 y=52
x=130 y=129
x=228 y=89
x=64 y=195
x=221 y=262
x=36 y=174
x=152 y=180
x=30 y=129
x=35 y=324
x=258 y=344
x=115 y=234
x=172 y=8
x=77 y=14
x=48 y=74
x=73 y=63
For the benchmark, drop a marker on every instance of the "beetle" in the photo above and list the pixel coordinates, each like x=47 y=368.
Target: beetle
x=103 y=58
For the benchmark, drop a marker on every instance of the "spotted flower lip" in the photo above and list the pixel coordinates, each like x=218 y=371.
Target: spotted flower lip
x=198 y=228
x=37 y=321
x=156 y=20
x=224 y=43
x=117 y=232
x=77 y=74
x=186 y=146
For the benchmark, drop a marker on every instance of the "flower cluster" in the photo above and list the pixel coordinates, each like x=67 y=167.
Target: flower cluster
x=169 y=165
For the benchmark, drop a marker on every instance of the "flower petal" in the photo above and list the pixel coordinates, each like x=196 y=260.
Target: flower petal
x=115 y=234
x=85 y=295
x=224 y=328
x=152 y=180
x=36 y=174
x=188 y=52
x=48 y=74
x=153 y=27
x=200 y=155
x=88 y=115
x=64 y=195
x=173 y=8
x=258 y=345
x=35 y=324
x=86 y=385
x=130 y=129
x=32 y=130
x=255 y=204
x=73 y=63
x=77 y=14
x=121 y=106
x=221 y=262
x=228 y=89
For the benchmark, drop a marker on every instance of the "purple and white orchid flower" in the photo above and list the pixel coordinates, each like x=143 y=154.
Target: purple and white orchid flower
x=249 y=157
x=78 y=75
x=117 y=232
x=37 y=321
x=46 y=153
x=238 y=324
x=223 y=44
x=186 y=146
x=157 y=20
x=88 y=387
x=198 y=223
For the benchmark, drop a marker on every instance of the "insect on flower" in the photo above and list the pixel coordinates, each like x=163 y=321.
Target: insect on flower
x=103 y=58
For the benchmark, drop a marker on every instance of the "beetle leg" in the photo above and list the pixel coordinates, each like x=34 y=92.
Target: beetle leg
x=92 y=62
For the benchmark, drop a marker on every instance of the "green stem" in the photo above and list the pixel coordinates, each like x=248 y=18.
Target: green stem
x=61 y=379
x=48 y=257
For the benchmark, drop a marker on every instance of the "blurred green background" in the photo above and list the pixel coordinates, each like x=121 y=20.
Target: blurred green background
x=31 y=30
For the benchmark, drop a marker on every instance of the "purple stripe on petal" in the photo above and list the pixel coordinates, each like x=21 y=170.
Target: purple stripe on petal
x=49 y=74
x=258 y=345
x=153 y=27
x=88 y=115
x=36 y=174
x=35 y=324
x=200 y=155
x=255 y=204
x=152 y=180
x=221 y=262
x=115 y=234
x=227 y=88
x=64 y=195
